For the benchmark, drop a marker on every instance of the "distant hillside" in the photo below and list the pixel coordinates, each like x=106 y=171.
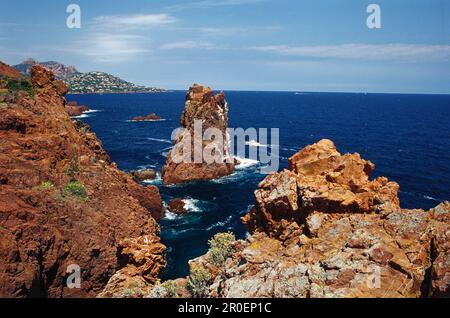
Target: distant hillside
x=60 y=70
x=99 y=82
x=91 y=82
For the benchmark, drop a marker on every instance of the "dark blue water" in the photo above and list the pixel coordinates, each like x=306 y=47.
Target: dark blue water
x=406 y=136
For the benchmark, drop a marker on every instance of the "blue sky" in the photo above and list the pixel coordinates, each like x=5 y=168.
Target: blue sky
x=321 y=45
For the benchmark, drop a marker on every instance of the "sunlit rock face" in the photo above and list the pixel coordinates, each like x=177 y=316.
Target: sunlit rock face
x=63 y=203
x=324 y=229
x=201 y=106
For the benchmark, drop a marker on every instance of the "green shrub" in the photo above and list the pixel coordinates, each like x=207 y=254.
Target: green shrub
x=198 y=283
x=167 y=289
x=75 y=189
x=221 y=247
x=15 y=85
x=46 y=185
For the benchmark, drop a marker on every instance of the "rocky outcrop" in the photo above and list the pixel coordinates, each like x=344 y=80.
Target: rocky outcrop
x=8 y=71
x=143 y=175
x=177 y=206
x=74 y=110
x=211 y=111
x=323 y=229
x=142 y=259
x=150 y=117
x=322 y=180
x=63 y=202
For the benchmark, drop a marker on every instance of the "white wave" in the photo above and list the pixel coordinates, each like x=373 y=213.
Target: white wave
x=254 y=143
x=81 y=116
x=143 y=167
x=232 y=177
x=220 y=223
x=160 y=140
x=245 y=163
x=169 y=215
x=430 y=198
x=192 y=205
x=85 y=114
x=157 y=180
x=290 y=149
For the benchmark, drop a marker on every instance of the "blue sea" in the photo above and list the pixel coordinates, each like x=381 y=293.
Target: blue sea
x=406 y=136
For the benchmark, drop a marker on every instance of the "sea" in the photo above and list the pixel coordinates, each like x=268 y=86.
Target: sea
x=407 y=137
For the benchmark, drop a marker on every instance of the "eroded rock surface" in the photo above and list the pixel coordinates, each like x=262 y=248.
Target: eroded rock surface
x=212 y=111
x=142 y=259
x=323 y=229
x=62 y=200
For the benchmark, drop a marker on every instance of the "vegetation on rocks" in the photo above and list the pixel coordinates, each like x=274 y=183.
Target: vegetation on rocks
x=76 y=190
x=15 y=85
x=199 y=281
x=221 y=247
x=46 y=185
x=167 y=289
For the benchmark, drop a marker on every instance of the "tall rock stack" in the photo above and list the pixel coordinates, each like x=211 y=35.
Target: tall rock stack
x=201 y=106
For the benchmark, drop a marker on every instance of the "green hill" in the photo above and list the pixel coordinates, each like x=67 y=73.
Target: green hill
x=100 y=82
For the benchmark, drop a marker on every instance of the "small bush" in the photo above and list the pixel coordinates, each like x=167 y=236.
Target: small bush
x=198 y=283
x=167 y=289
x=75 y=189
x=73 y=169
x=16 y=85
x=221 y=247
x=46 y=185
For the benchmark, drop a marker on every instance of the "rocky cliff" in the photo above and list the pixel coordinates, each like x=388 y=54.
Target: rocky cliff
x=59 y=70
x=63 y=202
x=323 y=229
x=212 y=111
x=8 y=71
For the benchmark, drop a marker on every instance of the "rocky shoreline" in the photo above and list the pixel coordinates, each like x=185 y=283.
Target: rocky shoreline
x=321 y=228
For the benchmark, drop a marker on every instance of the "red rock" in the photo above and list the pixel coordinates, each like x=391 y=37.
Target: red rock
x=323 y=229
x=75 y=111
x=142 y=175
x=177 y=206
x=8 y=71
x=142 y=259
x=150 y=199
x=73 y=103
x=212 y=110
x=42 y=232
x=320 y=179
x=150 y=117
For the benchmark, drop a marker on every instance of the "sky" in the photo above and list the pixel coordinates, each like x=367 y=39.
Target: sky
x=279 y=45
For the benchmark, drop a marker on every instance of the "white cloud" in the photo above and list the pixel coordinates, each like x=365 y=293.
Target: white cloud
x=382 y=52
x=135 y=20
x=188 y=45
x=111 y=48
x=202 y=4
